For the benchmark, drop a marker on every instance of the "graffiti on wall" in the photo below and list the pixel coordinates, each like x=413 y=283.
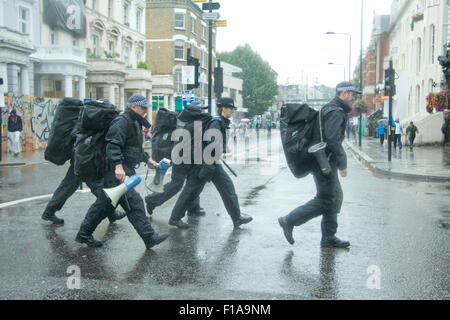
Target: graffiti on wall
x=37 y=116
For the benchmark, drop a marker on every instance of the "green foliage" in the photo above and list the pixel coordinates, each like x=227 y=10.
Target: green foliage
x=259 y=86
x=142 y=65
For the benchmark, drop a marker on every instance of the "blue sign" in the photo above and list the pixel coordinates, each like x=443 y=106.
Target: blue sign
x=188 y=97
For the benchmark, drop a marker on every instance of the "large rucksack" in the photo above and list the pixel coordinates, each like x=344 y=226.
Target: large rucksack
x=186 y=120
x=299 y=129
x=162 y=144
x=90 y=146
x=60 y=141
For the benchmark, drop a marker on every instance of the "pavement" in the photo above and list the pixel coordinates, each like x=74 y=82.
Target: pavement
x=424 y=163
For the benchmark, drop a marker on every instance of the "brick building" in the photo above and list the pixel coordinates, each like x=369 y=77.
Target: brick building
x=172 y=27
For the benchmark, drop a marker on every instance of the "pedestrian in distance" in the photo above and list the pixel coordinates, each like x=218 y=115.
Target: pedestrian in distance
x=215 y=173
x=411 y=133
x=70 y=184
x=446 y=130
x=398 y=134
x=381 y=130
x=15 y=127
x=329 y=197
x=124 y=152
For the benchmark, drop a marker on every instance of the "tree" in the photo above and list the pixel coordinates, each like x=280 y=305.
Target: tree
x=259 y=86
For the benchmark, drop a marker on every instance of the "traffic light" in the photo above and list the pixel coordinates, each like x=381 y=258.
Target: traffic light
x=191 y=61
x=389 y=82
x=218 y=80
x=444 y=61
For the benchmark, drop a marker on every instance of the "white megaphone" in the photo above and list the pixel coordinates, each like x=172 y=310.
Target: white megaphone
x=114 y=194
x=318 y=151
x=157 y=184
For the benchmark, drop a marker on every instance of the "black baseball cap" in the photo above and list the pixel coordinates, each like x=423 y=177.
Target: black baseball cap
x=226 y=103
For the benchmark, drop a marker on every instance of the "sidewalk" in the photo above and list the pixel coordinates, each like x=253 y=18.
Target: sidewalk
x=427 y=163
x=24 y=158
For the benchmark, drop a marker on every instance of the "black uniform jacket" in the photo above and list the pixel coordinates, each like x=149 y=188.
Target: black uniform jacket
x=334 y=120
x=124 y=141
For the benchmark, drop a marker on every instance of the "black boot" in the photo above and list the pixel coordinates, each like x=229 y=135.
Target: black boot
x=287 y=229
x=88 y=239
x=179 y=224
x=50 y=216
x=155 y=239
x=117 y=215
x=242 y=219
x=334 y=242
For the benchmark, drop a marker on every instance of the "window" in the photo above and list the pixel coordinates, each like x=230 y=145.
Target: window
x=193 y=23
x=203 y=59
x=179 y=20
x=179 y=50
x=111 y=47
x=75 y=42
x=178 y=86
x=138 y=19
x=432 y=42
x=418 y=99
x=110 y=8
x=419 y=55
x=126 y=55
x=203 y=32
x=58 y=85
x=24 y=19
x=95 y=43
x=53 y=40
x=233 y=94
x=125 y=13
x=94 y=4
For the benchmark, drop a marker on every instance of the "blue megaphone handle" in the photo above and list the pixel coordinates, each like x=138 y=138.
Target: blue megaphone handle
x=163 y=166
x=132 y=181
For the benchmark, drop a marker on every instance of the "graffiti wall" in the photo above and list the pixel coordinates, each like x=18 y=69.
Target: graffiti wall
x=37 y=116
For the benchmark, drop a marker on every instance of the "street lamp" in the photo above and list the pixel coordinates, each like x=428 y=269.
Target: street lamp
x=349 y=51
x=339 y=64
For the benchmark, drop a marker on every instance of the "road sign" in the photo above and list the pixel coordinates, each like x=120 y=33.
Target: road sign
x=188 y=96
x=210 y=16
x=220 y=23
x=210 y=6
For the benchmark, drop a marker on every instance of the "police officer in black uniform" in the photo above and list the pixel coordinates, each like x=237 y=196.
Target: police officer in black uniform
x=124 y=152
x=328 y=200
x=70 y=184
x=211 y=172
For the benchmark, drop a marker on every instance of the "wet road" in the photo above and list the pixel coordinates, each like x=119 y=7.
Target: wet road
x=400 y=241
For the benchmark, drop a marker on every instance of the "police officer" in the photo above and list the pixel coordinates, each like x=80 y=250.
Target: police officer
x=70 y=184
x=328 y=200
x=211 y=172
x=124 y=152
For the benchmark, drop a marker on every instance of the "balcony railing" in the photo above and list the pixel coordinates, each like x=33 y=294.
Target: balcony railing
x=58 y=53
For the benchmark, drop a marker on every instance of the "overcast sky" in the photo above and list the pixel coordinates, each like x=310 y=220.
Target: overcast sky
x=290 y=34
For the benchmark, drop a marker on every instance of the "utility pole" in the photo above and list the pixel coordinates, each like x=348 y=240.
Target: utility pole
x=361 y=69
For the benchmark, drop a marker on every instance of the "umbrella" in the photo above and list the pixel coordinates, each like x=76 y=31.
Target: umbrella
x=245 y=120
x=383 y=122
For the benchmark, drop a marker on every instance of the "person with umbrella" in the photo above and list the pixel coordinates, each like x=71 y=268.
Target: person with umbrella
x=381 y=130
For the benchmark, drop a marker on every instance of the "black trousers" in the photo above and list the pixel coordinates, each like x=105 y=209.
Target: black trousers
x=194 y=186
x=327 y=202
x=67 y=188
x=172 y=188
x=131 y=201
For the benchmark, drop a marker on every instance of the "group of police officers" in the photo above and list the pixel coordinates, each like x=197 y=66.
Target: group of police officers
x=124 y=151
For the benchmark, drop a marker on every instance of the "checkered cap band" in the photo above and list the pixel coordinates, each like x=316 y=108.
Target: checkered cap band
x=137 y=100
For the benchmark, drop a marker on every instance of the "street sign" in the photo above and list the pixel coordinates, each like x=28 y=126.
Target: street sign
x=210 y=6
x=188 y=96
x=220 y=23
x=187 y=74
x=210 y=16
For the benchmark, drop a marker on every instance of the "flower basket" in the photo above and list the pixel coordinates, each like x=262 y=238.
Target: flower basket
x=415 y=18
x=437 y=101
x=361 y=106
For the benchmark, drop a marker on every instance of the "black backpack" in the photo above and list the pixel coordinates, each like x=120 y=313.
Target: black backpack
x=162 y=144
x=186 y=120
x=61 y=140
x=90 y=146
x=299 y=130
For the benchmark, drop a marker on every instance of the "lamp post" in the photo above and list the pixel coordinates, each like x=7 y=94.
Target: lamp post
x=349 y=51
x=339 y=64
x=361 y=68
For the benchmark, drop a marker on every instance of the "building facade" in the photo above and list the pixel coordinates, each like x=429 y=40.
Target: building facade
x=172 y=27
x=418 y=35
x=116 y=50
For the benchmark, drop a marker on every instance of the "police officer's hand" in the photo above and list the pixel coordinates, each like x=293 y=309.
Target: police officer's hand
x=343 y=173
x=120 y=173
x=152 y=163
